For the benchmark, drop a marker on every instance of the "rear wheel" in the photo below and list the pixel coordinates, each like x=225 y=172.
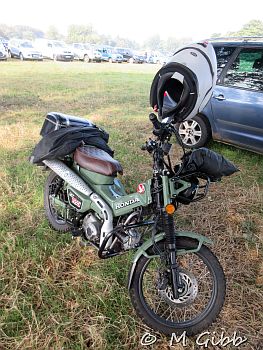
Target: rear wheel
x=195 y=132
x=200 y=300
x=53 y=188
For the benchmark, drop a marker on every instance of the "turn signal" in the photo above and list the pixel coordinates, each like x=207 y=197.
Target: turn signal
x=170 y=209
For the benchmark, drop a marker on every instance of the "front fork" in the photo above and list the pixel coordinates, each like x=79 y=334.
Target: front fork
x=170 y=241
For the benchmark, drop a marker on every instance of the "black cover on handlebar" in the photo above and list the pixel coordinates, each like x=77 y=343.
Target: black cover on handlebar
x=207 y=162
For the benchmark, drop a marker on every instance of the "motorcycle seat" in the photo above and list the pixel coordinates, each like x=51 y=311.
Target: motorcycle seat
x=97 y=160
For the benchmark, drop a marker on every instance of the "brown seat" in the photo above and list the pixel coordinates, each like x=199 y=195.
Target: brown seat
x=97 y=160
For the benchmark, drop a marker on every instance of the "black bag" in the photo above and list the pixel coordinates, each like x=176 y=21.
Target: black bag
x=55 y=121
x=207 y=162
x=62 y=134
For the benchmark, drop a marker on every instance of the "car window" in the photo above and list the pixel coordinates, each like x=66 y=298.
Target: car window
x=247 y=70
x=27 y=45
x=223 y=53
x=58 y=44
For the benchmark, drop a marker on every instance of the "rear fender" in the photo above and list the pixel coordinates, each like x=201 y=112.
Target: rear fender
x=142 y=250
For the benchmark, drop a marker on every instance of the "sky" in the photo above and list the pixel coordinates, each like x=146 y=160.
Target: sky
x=136 y=19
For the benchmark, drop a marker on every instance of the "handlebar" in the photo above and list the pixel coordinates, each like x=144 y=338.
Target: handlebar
x=153 y=118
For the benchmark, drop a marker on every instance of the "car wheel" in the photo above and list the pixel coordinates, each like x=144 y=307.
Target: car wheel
x=195 y=132
x=21 y=56
x=86 y=59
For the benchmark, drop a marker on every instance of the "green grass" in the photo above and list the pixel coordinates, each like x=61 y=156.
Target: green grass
x=56 y=295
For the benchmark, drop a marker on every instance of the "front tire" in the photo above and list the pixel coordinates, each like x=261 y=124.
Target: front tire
x=195 y=132
x=55 y=221
x=204 y=296
x=86 y=59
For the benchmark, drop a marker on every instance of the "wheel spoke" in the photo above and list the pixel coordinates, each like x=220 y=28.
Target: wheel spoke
x=193 y=140
x=197 y=133
x=194 y=124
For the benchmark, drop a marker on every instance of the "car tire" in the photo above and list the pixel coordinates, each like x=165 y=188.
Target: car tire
x=21 y=57
x=86 y=59
x=195 y=132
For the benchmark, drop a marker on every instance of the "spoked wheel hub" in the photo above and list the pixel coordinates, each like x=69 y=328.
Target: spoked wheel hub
x=187 y=294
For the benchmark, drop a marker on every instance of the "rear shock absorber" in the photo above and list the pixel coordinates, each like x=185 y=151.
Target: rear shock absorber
x=170 y=236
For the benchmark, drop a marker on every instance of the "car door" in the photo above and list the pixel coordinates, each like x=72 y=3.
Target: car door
x=13 y=48
x=237 y=101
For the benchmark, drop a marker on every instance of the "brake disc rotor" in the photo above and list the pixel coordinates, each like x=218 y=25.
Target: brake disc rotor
x=188 y=293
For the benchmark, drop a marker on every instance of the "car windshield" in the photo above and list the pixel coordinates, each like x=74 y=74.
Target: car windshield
x=27 y=45
x=79 y=46
x=59 y=44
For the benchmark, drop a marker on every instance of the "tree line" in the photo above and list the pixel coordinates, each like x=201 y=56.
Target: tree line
x=87 y=33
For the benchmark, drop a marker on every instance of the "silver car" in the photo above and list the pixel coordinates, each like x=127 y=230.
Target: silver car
x=3 y=54
x=23 y=49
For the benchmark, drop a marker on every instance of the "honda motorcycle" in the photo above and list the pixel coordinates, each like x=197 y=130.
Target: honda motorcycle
x=175 y=282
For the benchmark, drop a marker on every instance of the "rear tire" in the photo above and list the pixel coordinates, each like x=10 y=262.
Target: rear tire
x=54 y=221
x=195 y=132
x=145 y=294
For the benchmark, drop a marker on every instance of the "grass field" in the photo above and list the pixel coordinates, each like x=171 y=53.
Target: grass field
x=57 y=295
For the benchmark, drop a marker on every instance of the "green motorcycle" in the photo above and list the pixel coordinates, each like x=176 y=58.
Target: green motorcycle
x=176 y=283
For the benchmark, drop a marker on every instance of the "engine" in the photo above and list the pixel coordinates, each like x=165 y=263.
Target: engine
x=124 y=239
x=91 y=227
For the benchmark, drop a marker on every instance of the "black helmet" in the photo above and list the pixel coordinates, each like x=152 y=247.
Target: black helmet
x=183 y=86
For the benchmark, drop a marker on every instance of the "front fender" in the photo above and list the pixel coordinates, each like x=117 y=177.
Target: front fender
x=159 y=237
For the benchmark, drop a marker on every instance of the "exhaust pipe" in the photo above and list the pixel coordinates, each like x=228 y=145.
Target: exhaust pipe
x=75 y=181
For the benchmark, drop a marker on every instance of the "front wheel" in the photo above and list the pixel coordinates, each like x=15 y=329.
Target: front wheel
x=86 y=59
x=200 y=300
x=195 y=132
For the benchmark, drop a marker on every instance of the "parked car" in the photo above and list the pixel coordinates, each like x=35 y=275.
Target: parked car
x=137 y=58
x=126 y=53
x=23 y=49
x=54 y=49
x=114 y=56
x=3 y=53
x=4 y=41
x=105 y=54
x=157 y=58
x=94 y=54
x=234 y=114
x=85 y=52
